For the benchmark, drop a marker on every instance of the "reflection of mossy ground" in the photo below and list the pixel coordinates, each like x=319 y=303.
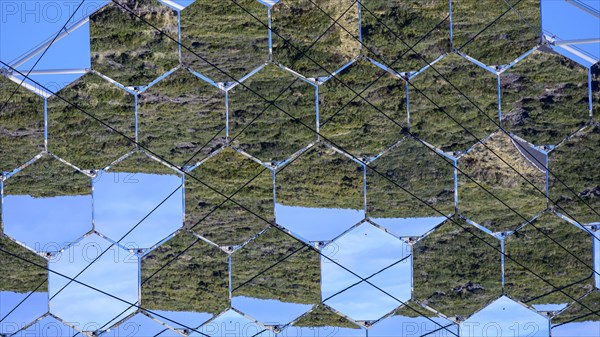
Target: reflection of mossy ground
x=302 y=22
x=455 y=272
x=531 y=248
x=196 y=281
x=225 y=35
x=129 y=50
x=506 y=39
x=575 y=163
x=584 y=311
x=417 y=169
x=229 y=224
x=18 y=275
x=489 y=171
x=364 y=126
x=296 y=279
x=21 y=125
x=411 y=22
x=320 y=316
x=81 y=139
x=265 y=131
x=48 y=177
x=435 y=125
x=321 y=177
x=544 y=98
x=182 y=118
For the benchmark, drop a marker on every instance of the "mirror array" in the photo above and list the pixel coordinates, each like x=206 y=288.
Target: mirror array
x=312 y=167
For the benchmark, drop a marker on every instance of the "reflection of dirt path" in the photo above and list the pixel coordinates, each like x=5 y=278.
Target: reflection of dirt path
x=533 y=156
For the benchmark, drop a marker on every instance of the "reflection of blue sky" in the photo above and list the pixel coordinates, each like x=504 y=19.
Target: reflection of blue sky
x=115 y=273
x=413 y=327
x=505 y=318
x=140 y=326
x=596 y=259
x=366 y=250
x=317 y=224
x=180 y=319
x=34 y=307
x=47 y=224
x=579 y=329
x=48 y=327
x=409 y=226
x=322 y=331
x=122 y=200
x=269 y=311
x=232 y=323
x=549 y=306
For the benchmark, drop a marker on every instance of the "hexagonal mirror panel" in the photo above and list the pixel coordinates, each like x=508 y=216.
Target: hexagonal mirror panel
x=505 y=318
x=321 y=47
x=233 y=323
x=224 y=55
x=22 y=118
x=273 y=114
x=138 y=202
x=272 y=258
x=140 y=325
x=502 y=182
x=495 y=32
x=405 y=36
x=134 y=41
x=87 y=122
x=538 y=253
x=229 y=198
x=573 y=184
x=410 y=188
x=47 y=205
x=362 y=109
x=201 y=272
x=544 y=97
x=319 y=194
x=48 y=326
x=23 y=286
x=322 y=321
x=366 y=273
x=457 y=269
x=412 y=319
x=94 y=284
x=453 y=103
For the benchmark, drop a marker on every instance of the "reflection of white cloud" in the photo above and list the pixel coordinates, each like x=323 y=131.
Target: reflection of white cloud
x=505 y=318
x=120 y=204
x=317 y=224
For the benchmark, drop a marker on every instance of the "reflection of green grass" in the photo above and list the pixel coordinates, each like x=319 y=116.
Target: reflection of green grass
x=225 y=35
x=455 y=272
x=79 y=138
x=296 y=279
x=180 y=115
x=544 y=98
x=596 y=92
x=196 y=281
x=230 y=224
x=410 y=22
x=433 y=124
x=320 y=316
x=18 y=275
x=505 y=39
x=363 y=129
x=129 y=50
x=321 y=177
x=575 y=163
x=489 y=171
x=274 y=135
x=531 y=248
x=21 y=125
x=417 y=169
x=585 y=310
x=302 y=23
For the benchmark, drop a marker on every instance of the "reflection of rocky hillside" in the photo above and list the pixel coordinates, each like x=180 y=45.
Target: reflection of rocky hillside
x=487 y=169
x=455 y=272
x=129 y=50
x=417 y=169
x=321 y=177
x=18 y=275
x=295 y=279
x=197 y=280
x=21 y=125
